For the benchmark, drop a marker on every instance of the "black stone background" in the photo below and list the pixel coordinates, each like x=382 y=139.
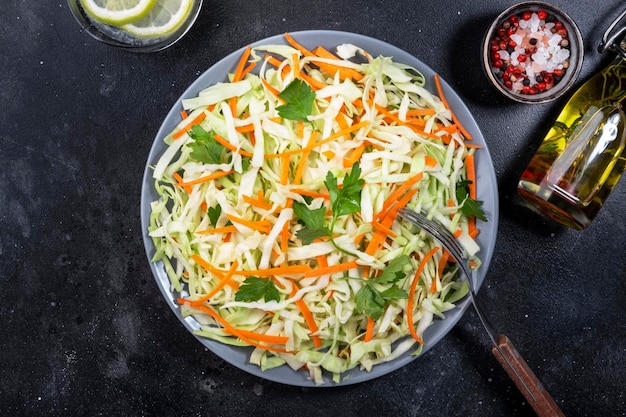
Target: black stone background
x=83 y=328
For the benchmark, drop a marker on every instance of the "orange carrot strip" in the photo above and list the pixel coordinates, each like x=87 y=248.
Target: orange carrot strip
x=300 y=170
x=217 y=272
x=183 y=114
x=267 y=338
x=251 y=338
x=430 y=161
x=241 y=64
x=296 y=65
x=384 y=229
x=420 y=112
x=223 y=281
x=470 y=168
x=257 y=202
x=271 y=89
x=331 y=269
x=315 y=84
x=208 y=178
x=308 y=318
x=262 y=226
x=245 y=129
x=322 y=262
x=230 y=146
x=313 y=194
x=329 y=68
x=279 y=270
x=216 y=230
x=312 y=146
x=369 y=331
x=179 y=133
x=180 y=182
x=354 y=156
x=207 y=266
x=284 y=170
x=333 y=69
x=447 y=106
x=237 y=76
x=398 y=192
x=247 y=69
x=411 y=301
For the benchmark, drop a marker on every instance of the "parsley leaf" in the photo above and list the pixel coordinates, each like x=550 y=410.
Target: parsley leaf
x=370 y=301
x=255 y=288
x=214 y=214
x=470 y=207
x=393 y=272
x=204 y=147
x=347 y=199
x=343 y=200
x=299 y=98
x=313 y=221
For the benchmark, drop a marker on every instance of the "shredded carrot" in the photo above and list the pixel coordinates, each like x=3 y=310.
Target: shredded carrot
x=398 y=192
x=470 y=168
x=183 y=114
x=312 y=145
x=262 y=226
x=296 y=65
x=447 y=106
x=430 y=161
x=180 y=182
x=331 y=269
x=211 y=177
x=247 y=69
x=384 y=229
x=230 y=146
x=308 y=318
x=411 y=301
x=284 y=170
x=279 y=270
x=420 y=112
x=369 y=331
x=221 y=284
x=309 y=193
x=257 y=202
x=251 y=338
x=315 y=84
x=271 y=89
x=215 y=271
x=196 y=120
x=217 y=230
x=344 y=72
x=245 y=128
x=354 y=156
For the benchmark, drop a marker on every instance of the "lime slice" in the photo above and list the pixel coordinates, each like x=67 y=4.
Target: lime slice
x=117 y=12
x=164 y=18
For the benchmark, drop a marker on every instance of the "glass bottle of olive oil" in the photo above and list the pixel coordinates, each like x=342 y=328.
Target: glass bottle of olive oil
x=582 y=157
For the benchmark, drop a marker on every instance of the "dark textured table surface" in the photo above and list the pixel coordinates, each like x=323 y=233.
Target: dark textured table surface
x=84 y=328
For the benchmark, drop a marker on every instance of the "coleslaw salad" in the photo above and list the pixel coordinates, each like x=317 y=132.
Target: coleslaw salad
x=277 y=221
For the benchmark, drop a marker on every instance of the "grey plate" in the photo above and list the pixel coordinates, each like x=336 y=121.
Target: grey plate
x=485 y=178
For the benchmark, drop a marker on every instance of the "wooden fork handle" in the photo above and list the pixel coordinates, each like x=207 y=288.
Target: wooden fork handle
x=542 y=403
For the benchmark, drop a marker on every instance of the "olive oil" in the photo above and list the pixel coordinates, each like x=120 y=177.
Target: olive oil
x=582 y=157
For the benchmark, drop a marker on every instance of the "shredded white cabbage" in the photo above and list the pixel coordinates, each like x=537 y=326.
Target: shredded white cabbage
x=212 y=235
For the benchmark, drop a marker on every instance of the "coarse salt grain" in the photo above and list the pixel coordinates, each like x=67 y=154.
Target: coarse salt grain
x=535 y=51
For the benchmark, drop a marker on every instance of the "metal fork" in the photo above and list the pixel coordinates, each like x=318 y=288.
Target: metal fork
x=502 y=348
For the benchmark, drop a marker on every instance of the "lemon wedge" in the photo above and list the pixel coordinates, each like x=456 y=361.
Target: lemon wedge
x=164 y=18
x=117 y=12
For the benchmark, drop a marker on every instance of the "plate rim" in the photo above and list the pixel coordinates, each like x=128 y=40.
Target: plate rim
x=233 y=354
